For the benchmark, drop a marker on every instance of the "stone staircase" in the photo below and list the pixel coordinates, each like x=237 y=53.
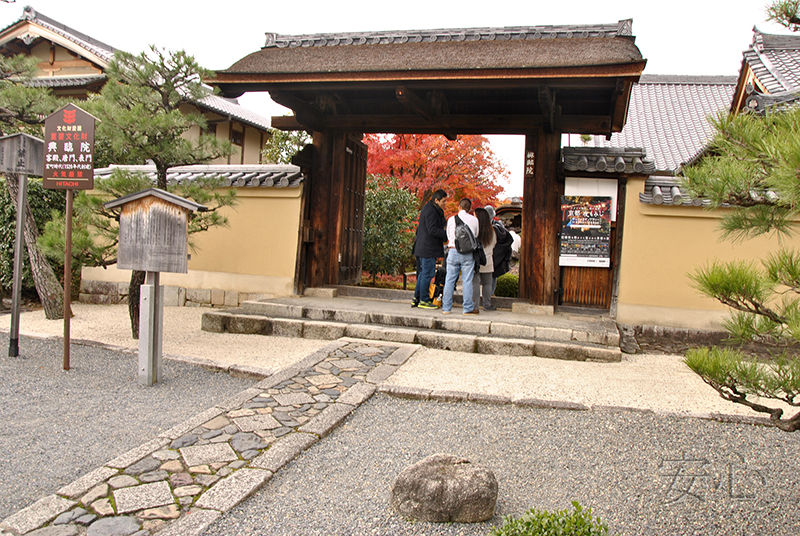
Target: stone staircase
x=569 y=337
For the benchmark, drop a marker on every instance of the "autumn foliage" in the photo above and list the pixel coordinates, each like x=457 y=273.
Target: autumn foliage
x=422 y=164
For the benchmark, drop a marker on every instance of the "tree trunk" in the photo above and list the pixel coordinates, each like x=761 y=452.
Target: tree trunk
x=137 y=280
x=49 y=289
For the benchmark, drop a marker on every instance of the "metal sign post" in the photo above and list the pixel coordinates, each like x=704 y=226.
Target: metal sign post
x=20 y=155
x=68 y=165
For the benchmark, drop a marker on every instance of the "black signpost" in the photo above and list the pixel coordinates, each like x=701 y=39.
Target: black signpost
x=68 y=165
x=20 y=156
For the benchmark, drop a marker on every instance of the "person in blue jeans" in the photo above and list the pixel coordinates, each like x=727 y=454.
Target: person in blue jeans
x=459 y=262
x=428 y=247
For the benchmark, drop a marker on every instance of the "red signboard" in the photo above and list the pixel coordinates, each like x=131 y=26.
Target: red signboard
x=69 y=150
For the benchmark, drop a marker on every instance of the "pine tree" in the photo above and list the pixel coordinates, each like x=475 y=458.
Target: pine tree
x=751 y=167
x=23 y=109
x=145 y=114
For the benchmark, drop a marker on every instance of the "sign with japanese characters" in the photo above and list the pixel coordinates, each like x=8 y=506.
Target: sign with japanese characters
x=69 y=150
x=585 y=231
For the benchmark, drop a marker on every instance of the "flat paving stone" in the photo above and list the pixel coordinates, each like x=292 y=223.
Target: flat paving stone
x=205 y=454
x=257 y=422
x=293 y=399
x=142 y=497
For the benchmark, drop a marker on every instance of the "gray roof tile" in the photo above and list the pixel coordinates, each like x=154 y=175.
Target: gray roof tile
x=262 y=175
x=668 y=117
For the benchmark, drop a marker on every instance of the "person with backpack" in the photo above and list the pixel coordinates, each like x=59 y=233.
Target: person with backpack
x=428 y=247
x=483 y=272
x=460 y=258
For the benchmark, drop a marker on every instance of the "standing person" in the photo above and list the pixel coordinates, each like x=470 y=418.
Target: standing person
x=502 y=249
x=482 y=281
x=428 y=247
x=459 y=262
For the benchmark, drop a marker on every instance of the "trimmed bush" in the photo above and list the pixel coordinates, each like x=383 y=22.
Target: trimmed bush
x=507 y=286
x=562 y=523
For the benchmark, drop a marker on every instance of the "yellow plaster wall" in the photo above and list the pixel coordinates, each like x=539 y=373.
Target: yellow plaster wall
x=661 y=245
x=256 y=254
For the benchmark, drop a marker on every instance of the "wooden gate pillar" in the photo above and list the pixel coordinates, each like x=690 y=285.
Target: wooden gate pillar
x=335 y=208
x=321 y=232
x=541 y=218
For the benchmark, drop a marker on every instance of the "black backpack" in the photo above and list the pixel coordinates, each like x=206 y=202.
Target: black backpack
x=465 y=240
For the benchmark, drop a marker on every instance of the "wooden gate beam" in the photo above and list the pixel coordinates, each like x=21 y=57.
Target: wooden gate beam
x=541 y=218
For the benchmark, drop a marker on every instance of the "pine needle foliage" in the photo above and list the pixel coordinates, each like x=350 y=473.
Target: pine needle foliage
x=750 y=174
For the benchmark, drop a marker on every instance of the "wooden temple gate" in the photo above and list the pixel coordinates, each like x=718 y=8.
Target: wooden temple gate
x=535 y=81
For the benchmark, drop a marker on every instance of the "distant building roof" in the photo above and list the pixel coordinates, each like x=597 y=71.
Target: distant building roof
x=98 y=48
x=227 y=107
x=262 y=175
x=668 y=117
x=770 y=74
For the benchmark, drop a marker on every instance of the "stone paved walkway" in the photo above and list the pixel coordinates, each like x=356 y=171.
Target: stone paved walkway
x=187 y=477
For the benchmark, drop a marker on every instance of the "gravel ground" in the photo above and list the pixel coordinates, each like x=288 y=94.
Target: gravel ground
x=641 y=473
x=55 y=426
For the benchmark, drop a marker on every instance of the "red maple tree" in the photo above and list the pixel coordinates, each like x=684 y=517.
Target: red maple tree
x=466 y=167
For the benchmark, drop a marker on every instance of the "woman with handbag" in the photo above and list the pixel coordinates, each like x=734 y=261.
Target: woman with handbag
x=482 y=280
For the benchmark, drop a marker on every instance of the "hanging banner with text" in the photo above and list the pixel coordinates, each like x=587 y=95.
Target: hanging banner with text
x=585 y=231
x=69 y=150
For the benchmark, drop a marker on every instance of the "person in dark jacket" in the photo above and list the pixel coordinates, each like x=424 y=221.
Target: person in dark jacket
x=428 y=247
x=502 y=249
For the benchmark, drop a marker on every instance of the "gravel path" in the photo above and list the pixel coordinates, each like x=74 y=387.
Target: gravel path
x=642 y=473
x=55 y=426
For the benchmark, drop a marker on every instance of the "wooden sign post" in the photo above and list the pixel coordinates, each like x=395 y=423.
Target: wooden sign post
x=68 y=165
x=153 y=238
x=20 y=155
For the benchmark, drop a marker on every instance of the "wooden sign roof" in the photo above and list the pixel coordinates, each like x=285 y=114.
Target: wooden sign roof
x=449 y=81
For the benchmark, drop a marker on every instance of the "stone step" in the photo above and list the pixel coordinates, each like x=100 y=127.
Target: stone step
x=596 y=341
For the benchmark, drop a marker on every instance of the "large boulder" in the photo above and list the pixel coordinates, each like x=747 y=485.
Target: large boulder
x=443 y=488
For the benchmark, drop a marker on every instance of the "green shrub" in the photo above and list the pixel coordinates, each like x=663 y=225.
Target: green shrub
x=562 y=523
x=507 y=286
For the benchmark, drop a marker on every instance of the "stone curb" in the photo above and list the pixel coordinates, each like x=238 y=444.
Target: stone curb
x=192 y=524
x=283 y=451
x=331 y=417
x=416 y=393
x=42 y=511
x=232 y=490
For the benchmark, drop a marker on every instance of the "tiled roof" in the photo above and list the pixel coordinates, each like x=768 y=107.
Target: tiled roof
x=66 y=81
x=263 y=175
x=98 y=48
x=668 y=115
x=607 y=160
x=622 y=28
x=227 y=107
x=231 y=107
x=775 y=60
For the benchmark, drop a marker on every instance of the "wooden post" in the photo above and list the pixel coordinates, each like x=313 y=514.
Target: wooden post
x=319 y=198
x=13 y=341
x=151 y=312
x=67 y=277
x=541 y=218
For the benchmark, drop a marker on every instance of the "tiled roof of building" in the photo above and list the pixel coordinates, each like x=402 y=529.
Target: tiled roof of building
x=251 y=176
x=775 y=60
x=622 y=28
x=226 y=107
x=66 y=81
x=98 y=48
x=668 y=117
x=231 y=107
